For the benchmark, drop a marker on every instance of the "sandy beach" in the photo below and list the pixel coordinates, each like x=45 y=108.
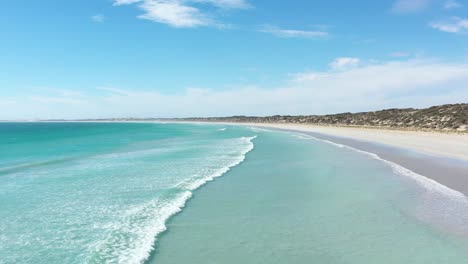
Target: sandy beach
x=447 y=145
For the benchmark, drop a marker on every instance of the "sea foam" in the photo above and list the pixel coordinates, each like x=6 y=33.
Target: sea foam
x=422 y=180
x=133 y=238
x=438 y=205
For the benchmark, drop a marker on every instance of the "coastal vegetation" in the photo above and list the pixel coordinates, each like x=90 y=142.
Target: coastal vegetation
x=451 y=117
x=443 y=118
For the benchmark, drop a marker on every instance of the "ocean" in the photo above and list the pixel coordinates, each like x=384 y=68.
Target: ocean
x=153 y=193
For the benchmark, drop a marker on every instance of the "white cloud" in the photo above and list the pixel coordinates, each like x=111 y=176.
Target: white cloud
x=174 y=13
x=375 y=86
x=452 y=4
x=303 y=77
x=344 y=63
x=182 y=13
x=410 y=6
x=293 y=33
x=114 y=90
x=452 y=25
x=98 y=18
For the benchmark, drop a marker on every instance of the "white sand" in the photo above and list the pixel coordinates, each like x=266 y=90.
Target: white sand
x=448 y=145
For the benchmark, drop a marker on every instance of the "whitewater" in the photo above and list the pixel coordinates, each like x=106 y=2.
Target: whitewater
x=101 y=193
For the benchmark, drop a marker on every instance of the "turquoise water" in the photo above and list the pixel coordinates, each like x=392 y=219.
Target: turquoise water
x=101 y=193
x=104 y=193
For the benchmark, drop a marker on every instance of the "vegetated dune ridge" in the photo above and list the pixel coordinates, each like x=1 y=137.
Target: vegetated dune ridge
x=448 y=118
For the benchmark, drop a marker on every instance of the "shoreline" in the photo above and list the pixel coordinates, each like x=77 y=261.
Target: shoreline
x=438 y=144
x=448 y=170
x=377 y=128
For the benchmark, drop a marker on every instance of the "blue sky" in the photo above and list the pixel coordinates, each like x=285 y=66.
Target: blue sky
x=165 y=58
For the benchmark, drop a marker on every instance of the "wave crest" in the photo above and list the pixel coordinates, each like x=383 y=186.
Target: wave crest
x=133 y=238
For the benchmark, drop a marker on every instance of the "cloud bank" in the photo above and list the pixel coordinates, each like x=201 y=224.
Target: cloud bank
x=374 y=86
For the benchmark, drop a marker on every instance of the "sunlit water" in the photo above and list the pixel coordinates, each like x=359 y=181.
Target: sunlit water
x=105 y=193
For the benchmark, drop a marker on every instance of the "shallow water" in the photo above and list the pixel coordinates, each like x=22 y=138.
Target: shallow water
x=102 y=193
x=299 y=200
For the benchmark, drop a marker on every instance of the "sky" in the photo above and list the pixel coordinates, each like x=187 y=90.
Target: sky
x=185 y=58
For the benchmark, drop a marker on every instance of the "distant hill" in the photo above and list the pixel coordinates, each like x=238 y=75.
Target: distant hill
x=453 y=117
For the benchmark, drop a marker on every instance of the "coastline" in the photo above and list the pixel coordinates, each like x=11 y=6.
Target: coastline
x=440 y=157
x=449 y=145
